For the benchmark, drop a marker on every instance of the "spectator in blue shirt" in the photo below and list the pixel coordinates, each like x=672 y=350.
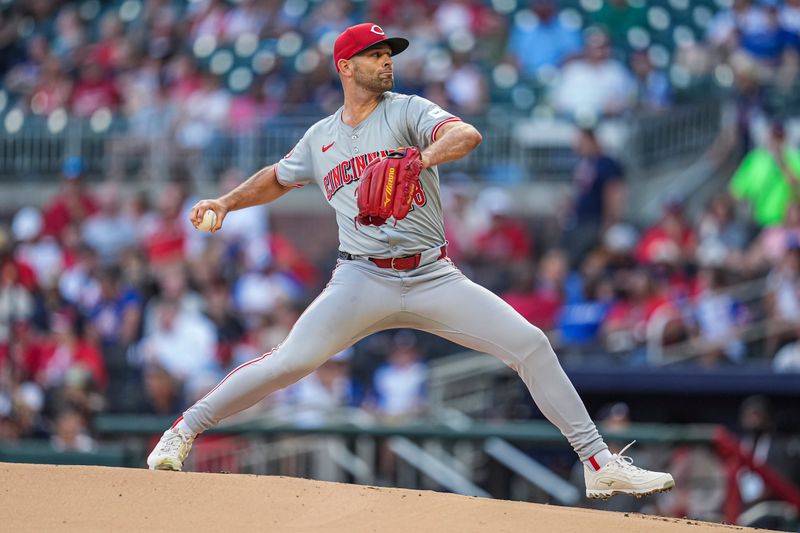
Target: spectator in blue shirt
x=581 y=318
x=544 y=42
x=653 y=91
x=771 y=42
x=399 y=386
x=116 y=318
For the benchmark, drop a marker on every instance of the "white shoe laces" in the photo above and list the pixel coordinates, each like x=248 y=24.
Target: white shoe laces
x=625 y=462
x=174 y=441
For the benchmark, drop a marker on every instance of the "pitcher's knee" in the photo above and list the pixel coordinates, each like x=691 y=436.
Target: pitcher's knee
x=537 y=338
x=537 y=345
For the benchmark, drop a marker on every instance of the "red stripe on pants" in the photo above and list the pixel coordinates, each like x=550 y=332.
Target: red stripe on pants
x=232 y=372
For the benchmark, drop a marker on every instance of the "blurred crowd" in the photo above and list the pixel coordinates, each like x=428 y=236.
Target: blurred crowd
x=195 y=71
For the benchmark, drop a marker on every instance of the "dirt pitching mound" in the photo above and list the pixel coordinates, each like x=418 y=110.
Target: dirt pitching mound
x=84 y=498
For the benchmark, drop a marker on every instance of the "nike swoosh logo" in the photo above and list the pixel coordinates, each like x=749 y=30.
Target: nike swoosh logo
x=608 y=483
x=325 y=148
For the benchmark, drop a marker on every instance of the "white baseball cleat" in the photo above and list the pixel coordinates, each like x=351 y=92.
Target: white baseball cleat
x=619 y=476
x=171 y=450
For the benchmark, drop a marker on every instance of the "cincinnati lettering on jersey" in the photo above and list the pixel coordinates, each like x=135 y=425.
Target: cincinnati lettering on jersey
x=348 y=172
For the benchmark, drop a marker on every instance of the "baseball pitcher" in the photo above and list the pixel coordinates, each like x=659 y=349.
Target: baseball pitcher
x=375 y=160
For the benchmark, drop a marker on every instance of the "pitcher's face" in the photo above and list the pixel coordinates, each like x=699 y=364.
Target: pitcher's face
x=373 y=68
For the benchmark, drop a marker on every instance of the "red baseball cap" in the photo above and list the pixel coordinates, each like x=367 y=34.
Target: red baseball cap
x=358 y=38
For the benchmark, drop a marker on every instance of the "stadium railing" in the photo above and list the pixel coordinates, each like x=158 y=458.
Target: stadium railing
x=681 y=131
x=515 y=149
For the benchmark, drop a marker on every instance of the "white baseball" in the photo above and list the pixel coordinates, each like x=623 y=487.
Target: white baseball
x=209 y=221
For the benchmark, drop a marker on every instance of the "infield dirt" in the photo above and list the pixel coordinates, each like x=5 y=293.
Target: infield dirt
x=85 y=498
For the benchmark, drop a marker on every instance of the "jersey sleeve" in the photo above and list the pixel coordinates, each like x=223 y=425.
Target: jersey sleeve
x=296 y=168
x=424 y=119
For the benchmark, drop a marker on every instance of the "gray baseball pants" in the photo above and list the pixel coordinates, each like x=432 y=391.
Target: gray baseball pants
x=436 y=297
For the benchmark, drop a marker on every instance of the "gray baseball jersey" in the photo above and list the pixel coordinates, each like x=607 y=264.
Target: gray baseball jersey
x=333 y=155
x=363 y=298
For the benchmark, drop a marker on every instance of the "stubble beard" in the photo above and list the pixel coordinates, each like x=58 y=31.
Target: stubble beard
x=375 y=83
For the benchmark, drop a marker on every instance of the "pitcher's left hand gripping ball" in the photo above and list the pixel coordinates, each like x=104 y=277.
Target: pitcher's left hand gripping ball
x=387 y=186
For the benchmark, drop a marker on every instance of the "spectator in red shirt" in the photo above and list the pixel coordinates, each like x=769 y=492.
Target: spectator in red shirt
x=19 y=352
x=506 y=239
x=288 y=259
x=73 y=204
x=671 y=240
x=109 y=52
x=39 y=251
x=539 y=300
x=165 y=236
x=625 y=325
x=68 y=347
x=93 y=91
x=500 y=243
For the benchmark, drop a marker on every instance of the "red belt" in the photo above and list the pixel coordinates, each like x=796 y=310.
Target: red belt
x=397 y=263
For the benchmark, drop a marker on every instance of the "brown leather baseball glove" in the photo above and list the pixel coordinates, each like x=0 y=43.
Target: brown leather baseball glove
x=387 y=186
